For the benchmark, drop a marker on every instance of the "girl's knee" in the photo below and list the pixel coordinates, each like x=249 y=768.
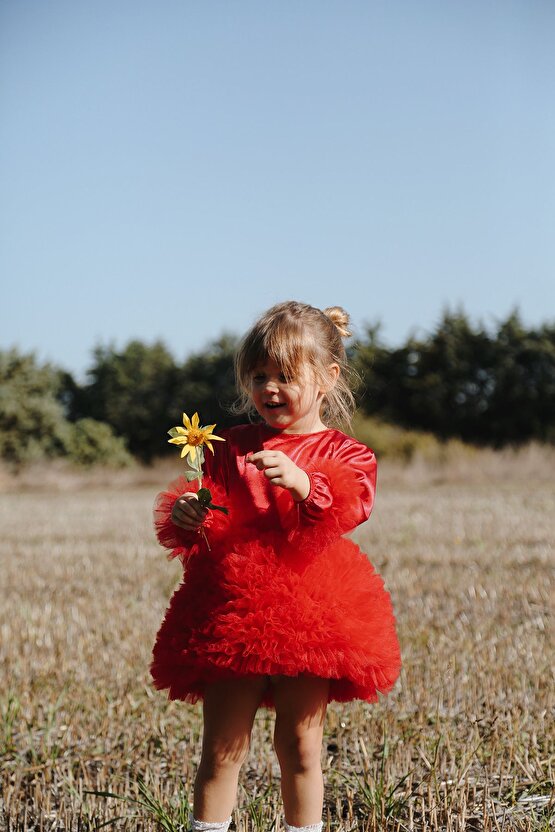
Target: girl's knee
x=221 y=755
x=300 y=751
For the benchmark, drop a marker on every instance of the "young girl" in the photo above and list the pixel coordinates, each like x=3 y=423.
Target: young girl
x=277 y=608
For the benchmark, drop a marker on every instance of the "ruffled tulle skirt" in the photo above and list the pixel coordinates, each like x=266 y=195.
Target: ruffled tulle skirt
x=257 y=607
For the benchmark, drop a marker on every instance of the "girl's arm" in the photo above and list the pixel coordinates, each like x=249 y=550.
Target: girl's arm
x=344 y=486
x=335 y=494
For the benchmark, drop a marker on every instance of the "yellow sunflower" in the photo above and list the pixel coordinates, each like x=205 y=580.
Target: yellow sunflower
x=193 y=436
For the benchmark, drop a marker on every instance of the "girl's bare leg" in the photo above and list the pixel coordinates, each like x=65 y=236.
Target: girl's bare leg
x=301 y=703
x=229 y=708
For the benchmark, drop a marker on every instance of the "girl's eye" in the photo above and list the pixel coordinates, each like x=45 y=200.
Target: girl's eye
x=260 y=378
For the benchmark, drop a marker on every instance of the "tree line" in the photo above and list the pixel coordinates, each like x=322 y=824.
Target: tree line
x=459 y=381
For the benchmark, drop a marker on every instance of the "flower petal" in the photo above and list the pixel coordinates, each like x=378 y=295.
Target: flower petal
x=195 y=420
x=187 y=421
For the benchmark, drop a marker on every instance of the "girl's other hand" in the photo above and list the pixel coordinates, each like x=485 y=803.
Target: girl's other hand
x=187 y=512
x=282 y=471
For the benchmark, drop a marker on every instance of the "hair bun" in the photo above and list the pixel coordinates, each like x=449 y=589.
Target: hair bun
x=340 y=318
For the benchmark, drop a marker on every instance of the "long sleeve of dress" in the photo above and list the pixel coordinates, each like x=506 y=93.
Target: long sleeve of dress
x=346 y=483
x=341 y=497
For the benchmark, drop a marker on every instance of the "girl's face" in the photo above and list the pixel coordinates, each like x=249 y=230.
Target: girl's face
x=292 y=406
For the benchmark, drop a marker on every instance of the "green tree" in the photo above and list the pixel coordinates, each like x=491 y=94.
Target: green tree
x=462 y=381
x=522 y=400
x=32 y=421
x=33 y=424
x=206 y=384
x=132 y=391
x=94 y=443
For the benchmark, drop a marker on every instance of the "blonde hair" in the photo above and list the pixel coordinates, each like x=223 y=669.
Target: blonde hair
x=297 y=336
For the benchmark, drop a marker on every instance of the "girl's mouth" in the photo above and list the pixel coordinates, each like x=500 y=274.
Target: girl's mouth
x=274 y=405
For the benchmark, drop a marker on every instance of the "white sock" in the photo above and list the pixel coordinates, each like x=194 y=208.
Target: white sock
x=314 y=827
x=209 y=825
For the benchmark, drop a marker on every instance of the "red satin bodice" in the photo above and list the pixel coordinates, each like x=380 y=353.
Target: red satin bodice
x=250 y=487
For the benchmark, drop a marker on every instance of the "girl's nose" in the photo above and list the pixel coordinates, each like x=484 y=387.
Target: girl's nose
x=271 y=385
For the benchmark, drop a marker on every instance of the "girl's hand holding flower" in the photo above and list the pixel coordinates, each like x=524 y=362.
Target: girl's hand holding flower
x=282 y=471
x=188 y=513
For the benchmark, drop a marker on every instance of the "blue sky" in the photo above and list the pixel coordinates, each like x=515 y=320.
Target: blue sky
x=171 y=169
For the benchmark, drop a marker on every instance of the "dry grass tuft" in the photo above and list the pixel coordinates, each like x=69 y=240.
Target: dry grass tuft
x=465 y=742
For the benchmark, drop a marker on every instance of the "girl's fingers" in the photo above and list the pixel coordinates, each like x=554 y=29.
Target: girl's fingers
x=188 y=523
x=254 y=457
x=265 y=459
x=261 y=456
x=274 y=465
x=193 y=508
x=272 y=473
x=187 y=509
x=275 y=476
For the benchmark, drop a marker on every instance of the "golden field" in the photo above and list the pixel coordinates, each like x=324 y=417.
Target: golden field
x=466 y=741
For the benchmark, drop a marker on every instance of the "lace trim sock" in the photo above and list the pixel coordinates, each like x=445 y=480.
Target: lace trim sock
x=209 y=825
x=314 y=827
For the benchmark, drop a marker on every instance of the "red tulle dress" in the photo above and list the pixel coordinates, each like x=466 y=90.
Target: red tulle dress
x=281 y=590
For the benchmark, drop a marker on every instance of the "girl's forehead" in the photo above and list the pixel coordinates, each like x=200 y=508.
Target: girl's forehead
x=268 y=365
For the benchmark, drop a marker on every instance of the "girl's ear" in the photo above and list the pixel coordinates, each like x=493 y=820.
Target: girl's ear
x=332 y=376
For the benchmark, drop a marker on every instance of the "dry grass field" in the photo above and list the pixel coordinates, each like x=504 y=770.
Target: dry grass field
x=465 y=741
